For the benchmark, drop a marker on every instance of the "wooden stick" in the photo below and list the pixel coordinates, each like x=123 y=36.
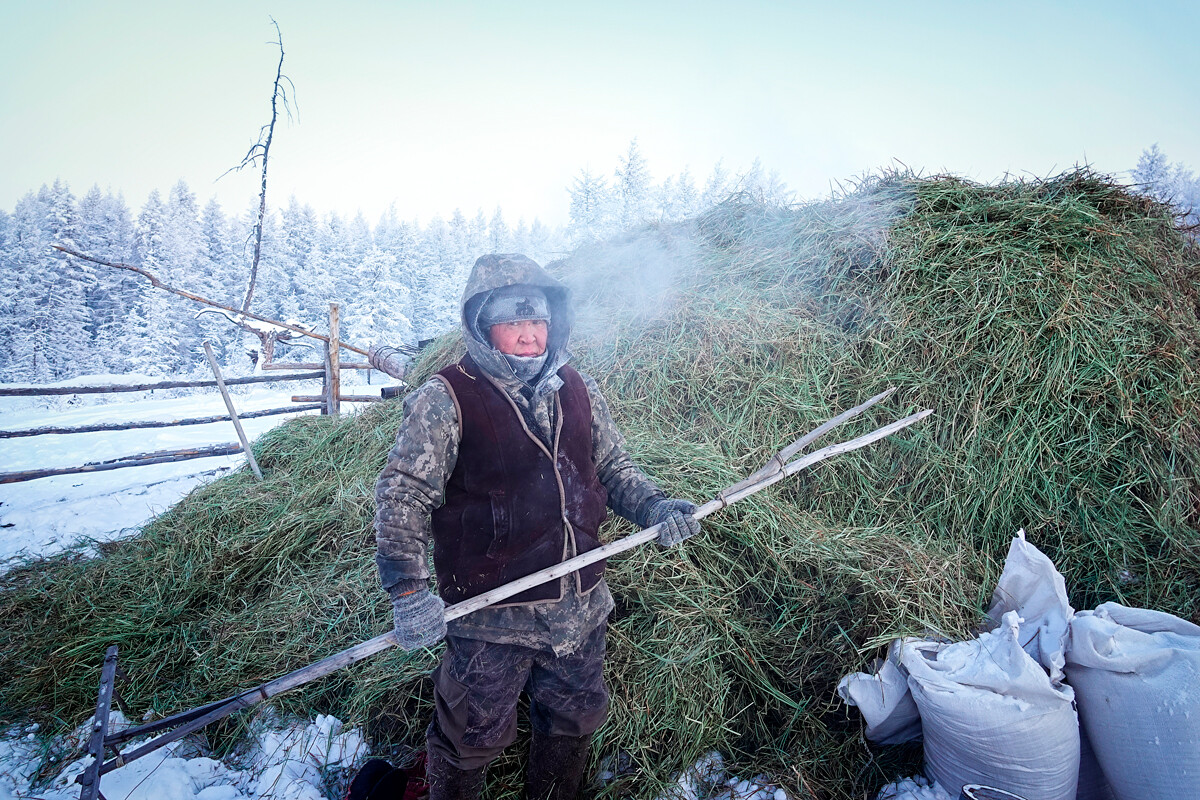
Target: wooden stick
x=156 y=283
x=35 y=391
x=140 y=460
x=380 y=643
x=90 y=777
x=237 y=424
x=128 y=426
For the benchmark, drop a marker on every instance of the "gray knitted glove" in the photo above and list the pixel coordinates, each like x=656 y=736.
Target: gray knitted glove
x=677 y=519
x=419 y=618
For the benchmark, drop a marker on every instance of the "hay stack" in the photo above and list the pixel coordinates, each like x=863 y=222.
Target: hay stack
x=1053 y=325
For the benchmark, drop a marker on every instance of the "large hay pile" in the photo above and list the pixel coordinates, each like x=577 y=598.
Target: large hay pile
x=1053 y=325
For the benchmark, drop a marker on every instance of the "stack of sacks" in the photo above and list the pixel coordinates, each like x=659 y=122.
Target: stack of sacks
x=995 y=710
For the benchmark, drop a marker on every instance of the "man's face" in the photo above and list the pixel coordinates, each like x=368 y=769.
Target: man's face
x=525 y=337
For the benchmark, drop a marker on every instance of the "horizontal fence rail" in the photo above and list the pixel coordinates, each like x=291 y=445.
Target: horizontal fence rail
x=314 y=365
x=140 y=460
x=34 y=391
x=128 y=426
x=345 y=398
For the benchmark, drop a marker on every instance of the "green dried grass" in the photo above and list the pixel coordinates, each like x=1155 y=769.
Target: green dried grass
x=1052 y=325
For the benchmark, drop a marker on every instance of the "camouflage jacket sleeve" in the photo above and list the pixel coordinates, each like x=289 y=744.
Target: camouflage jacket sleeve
x=413 y=484
x=629 y=490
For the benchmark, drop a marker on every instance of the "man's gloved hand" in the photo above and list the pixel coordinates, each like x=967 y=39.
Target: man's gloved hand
x=677 y=519
x=418 y=614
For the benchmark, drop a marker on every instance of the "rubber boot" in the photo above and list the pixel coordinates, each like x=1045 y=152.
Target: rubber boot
x=448 y=782
x=556 y=766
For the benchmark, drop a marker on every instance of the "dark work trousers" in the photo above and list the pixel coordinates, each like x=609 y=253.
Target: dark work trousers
x=477 y=685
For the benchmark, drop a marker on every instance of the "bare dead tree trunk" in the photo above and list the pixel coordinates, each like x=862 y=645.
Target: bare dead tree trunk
x=261 y=150
x=266 y=151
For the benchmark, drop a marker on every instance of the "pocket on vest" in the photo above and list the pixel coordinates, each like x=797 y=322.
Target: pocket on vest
x=501 y=524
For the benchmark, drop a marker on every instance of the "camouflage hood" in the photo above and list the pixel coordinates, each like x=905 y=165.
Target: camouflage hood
x=493 y=272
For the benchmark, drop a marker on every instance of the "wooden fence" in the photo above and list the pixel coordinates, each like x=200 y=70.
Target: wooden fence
x=329 y=402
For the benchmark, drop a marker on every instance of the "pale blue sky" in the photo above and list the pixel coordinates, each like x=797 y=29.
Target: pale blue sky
x=437 y=105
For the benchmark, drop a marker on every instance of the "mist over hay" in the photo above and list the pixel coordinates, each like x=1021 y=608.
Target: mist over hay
x=1054 y=326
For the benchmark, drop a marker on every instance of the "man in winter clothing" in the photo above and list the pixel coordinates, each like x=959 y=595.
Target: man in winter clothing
x=510 y=460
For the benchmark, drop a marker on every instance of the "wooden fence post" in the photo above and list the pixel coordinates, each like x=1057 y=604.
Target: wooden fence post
x=335 y=376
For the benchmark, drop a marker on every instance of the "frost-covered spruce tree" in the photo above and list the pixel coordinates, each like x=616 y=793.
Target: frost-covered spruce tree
x=350 y=286
x=182 y=259
x=106 y=231
x=22 y=290
x=717 y=188
x=632 y=188
x=8 y=296
x=521 y=240
x=437 y=283
x=1169 y=183
x=317 y=282
x=764 y=187
x=590 y=212
x=499 y=236
x=382 y=310
x=149 y=327
x=297 y=244
x=69 y=350
x=686 y=199
x=477 y=236
x=220 y=280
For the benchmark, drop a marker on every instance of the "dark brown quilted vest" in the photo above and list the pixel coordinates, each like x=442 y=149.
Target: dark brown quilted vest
x=512 y=501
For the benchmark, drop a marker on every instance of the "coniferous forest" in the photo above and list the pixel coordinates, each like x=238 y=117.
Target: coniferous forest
x=398 y=280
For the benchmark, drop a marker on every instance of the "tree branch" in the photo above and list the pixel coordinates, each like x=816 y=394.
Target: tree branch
x=158 y=284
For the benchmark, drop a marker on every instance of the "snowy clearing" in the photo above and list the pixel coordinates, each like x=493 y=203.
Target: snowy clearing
x=47 y=515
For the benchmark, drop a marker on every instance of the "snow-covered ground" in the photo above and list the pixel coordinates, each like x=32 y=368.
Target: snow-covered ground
x=297 y=760
x=46 y=515
x=285 y=761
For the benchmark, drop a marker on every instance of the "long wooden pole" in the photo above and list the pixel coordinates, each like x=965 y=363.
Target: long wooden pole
x=140 y=460
x=158 y=284
x=380 y=643
x=237 y=423
x=37 y=391
x=150 y=423
x=344 y=398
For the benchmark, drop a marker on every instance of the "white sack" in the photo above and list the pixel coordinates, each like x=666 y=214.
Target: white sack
x=1032 y=587
x=884 y=700
x=990 y=715
x=1136 y=675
